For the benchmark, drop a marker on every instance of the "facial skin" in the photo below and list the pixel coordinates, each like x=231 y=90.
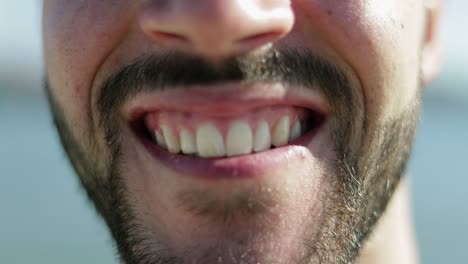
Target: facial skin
x=117 y=68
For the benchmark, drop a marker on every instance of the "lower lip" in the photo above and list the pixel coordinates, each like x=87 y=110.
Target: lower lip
x=239 y=167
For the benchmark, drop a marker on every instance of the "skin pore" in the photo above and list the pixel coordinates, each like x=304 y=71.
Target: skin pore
x=336 y=198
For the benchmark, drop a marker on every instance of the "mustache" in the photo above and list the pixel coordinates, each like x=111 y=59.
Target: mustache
x=152 y=73
x=174 y=70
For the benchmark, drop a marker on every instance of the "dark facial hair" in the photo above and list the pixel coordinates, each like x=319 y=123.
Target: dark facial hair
x=358 y=194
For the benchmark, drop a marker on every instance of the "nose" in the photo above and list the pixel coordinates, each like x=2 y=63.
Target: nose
x=216 y=28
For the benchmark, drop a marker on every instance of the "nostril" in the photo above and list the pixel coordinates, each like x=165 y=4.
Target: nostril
x=169 y=38
x=261 y=38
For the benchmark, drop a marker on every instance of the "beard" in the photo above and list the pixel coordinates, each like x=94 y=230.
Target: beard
x=368 y=167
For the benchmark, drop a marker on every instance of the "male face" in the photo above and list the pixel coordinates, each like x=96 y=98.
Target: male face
x=237 y=131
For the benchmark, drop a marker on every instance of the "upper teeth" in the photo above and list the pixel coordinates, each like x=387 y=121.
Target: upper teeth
x=262 y=139
x=210 y=141
x=241 y=138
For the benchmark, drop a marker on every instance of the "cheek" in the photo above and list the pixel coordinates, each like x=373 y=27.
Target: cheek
x=381 y=41
x=78 y=36
x=395 y=39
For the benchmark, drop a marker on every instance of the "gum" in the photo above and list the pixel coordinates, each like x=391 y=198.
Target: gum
x=191 y=121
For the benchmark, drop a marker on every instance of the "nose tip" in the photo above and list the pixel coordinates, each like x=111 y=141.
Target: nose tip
x=215 y=28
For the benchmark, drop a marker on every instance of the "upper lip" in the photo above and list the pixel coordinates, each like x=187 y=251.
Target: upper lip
x=228 y=99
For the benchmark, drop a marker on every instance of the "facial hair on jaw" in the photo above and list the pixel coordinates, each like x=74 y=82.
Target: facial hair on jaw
x=357 y=196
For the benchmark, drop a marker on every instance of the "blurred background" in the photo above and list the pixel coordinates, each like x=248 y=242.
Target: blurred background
x=45 y=217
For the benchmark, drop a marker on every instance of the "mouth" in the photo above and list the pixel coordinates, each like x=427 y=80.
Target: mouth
x=230 y=133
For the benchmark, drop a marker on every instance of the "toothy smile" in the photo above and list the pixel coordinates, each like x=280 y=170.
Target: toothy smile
x=215 y=137
x=229 y=131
